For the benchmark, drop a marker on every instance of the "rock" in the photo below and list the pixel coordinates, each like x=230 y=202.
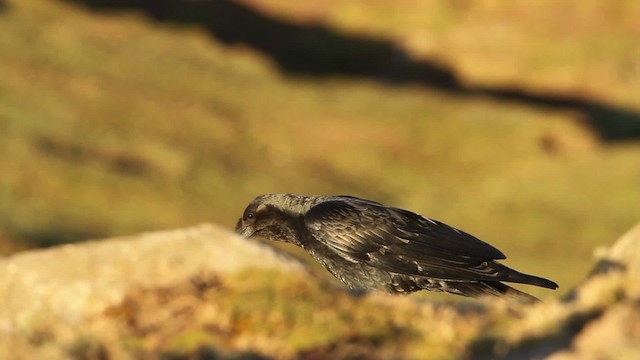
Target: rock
x=612 y=291
x=72 y=282
x=613 y=335
x=623 y=255
x=187 y=294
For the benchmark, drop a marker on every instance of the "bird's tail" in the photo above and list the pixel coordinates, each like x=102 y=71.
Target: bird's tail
x=509 y=275
x=491 y=288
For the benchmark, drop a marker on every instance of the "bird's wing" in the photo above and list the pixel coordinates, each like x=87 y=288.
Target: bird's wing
x=400 y=241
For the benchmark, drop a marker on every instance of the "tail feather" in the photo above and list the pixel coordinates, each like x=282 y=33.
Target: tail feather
x=510 y=275
x=493 y=288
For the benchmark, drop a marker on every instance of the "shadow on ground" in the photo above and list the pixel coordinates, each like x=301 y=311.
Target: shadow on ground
x=316 y=50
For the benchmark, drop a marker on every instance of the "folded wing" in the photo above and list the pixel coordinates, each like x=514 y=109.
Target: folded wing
x=402 y=242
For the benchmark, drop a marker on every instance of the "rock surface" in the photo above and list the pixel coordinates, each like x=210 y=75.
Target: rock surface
x=624 y=254
x=72 y=282
x=203 y=292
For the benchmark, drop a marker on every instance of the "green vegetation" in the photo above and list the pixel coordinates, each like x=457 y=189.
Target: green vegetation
x=113 y=123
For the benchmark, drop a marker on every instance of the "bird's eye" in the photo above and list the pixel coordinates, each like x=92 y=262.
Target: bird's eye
x=250 y=216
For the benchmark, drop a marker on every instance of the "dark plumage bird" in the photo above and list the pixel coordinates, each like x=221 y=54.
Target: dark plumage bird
x=371 y=246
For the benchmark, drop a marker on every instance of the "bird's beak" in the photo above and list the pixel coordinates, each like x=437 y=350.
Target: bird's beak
x=244 y=231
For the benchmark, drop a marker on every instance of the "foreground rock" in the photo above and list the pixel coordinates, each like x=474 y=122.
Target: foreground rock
x=204 y=293
x=73 y=282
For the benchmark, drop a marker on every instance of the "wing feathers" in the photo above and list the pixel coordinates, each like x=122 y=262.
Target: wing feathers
x=402 y=242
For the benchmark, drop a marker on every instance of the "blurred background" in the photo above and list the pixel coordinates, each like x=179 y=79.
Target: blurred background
x=518 y=122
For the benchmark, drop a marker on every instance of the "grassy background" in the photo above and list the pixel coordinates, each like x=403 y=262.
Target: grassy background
x=115 y=120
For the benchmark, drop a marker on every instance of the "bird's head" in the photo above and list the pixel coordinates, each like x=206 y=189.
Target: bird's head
x=271 y=217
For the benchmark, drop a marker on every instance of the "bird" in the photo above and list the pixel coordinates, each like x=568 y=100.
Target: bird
x=370 y=246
